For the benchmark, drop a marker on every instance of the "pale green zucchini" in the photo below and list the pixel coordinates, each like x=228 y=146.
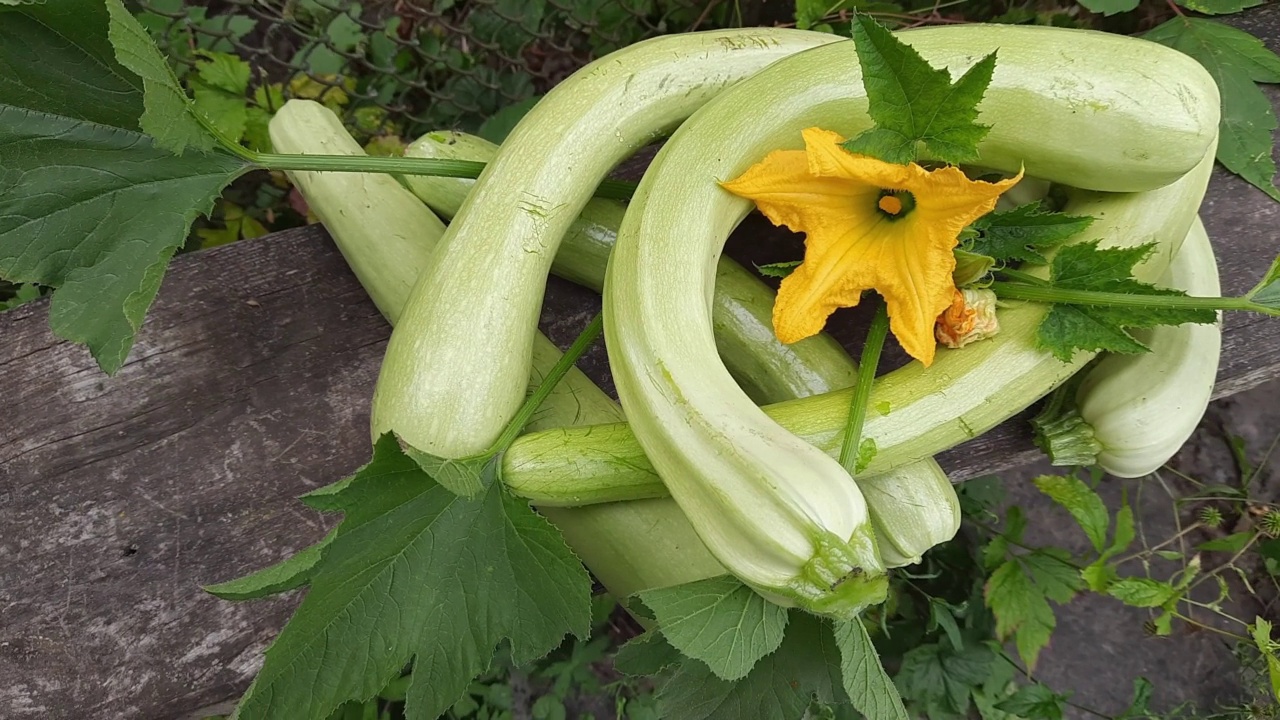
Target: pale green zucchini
x=965 y=393
x=776 y=511
x=387 y=237
x=356 y=206
x=766 y=369
x=629 y=546
x=1142 y=408
x=454 y=370
x=913 y=508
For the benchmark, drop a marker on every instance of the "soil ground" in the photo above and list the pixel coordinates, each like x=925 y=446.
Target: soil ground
x=1100 y=646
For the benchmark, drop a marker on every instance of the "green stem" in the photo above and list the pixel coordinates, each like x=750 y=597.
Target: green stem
x=612 y=189
x=1024 y=277
x=1051 y=294
x=549 y=382
x=862 y=390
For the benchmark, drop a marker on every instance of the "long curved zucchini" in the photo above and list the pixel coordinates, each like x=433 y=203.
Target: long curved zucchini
x=454 y=370
x=964 y=393
x=767 y=370
x=773 y=509
x=357 y=208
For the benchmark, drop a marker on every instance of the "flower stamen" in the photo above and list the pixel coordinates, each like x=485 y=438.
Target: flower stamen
x=890 y=204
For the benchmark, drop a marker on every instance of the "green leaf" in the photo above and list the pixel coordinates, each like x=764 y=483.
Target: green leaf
x=1142 y=592
x=1082 y=502
x=1054 y=573
x=940 y=616
x=939 y=680
x=1109 y=7
x=970 y=267
x=1035 y=702
x=97 y=212
x=1124 y=532
x=867 y=451
x=1219 y=7
x=1271 y=278
x=1230 y=543
x=165 y=115
x=719 y=621
x=224 y=72
x=1021 y=609
x=811 y=12
x=1268 y=295
x=467 y=476
x=292 y=572
x=912 y=102
x=500 y=124
x=648 y=654
x=1261 y=633
x=1023 y=233
x=77 y=75
x=24 y=294
x=87 y=204
x=1138 y=707
x=418 y=573
x=219 y=93
x=869 y=688
x=1098 y=575
x=778 y=269
x=780 y=687
x=1236 y=60
x=1085 y=266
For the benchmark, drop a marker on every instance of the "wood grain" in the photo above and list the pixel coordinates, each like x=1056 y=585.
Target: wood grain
x=249 y=385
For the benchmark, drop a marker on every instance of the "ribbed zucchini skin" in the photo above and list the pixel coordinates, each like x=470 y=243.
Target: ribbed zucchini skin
x=454 y=370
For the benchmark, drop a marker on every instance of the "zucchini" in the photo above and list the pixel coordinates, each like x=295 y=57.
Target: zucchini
x=913 y=508
x=773 y=509
x=965 y=393
x=766 y=369
x=454 y=372
x=387 y=237
x=1142 y=408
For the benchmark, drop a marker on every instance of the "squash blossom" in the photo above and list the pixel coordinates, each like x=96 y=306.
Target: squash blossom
x=868 y=225
x=970 y=318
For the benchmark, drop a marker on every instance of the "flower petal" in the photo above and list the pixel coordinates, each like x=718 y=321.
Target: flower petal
x=851 y=246
x=788 y=194
x=828 y=160
x=837 y=268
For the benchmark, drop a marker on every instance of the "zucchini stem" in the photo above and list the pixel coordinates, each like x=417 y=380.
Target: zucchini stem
x=1062 y=433
x=611 y=189
x=562 y=367
x=870 y=360
x=1051 y=294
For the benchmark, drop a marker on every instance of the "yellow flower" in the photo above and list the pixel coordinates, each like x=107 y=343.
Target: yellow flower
x=869 y=225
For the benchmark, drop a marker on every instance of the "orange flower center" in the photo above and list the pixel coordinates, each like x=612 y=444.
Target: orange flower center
x=891 y=204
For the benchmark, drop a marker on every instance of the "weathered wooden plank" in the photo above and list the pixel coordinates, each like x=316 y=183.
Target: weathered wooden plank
x=248 y=386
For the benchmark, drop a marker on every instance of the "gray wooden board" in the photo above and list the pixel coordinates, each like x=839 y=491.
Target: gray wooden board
x=248 y=386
